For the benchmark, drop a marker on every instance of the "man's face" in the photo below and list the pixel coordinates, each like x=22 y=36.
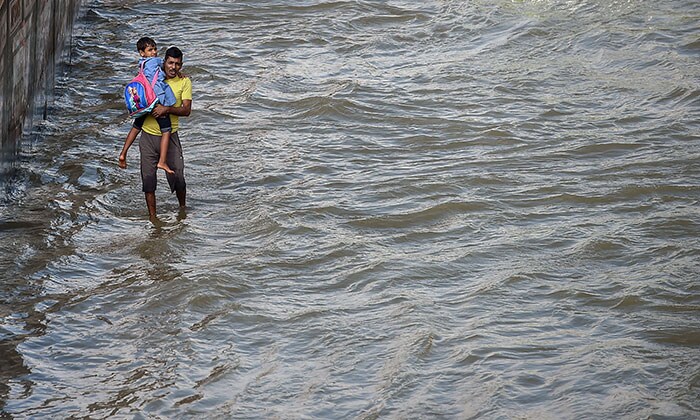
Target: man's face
x=172 y=67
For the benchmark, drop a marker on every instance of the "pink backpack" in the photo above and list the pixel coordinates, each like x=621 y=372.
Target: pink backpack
x=139 y=95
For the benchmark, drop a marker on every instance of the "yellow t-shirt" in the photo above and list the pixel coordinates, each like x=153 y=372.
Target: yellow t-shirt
x=182 y=87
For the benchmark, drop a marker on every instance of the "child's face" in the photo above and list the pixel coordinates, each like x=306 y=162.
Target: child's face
x=149 y=51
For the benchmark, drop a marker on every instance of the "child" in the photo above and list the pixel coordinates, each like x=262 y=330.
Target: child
x=151 y=64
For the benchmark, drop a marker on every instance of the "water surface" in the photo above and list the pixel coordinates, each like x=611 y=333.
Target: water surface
x=397 y=209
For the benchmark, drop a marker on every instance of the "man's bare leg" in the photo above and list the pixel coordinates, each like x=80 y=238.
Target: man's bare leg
x=182 y=198
x=151 y=204
x=182 y=214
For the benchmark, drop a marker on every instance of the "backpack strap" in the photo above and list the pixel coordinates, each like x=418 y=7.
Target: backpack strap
x=155 y=77
x=142 y=66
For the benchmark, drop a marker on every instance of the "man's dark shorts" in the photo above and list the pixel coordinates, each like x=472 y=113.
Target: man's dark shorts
x=149 y=146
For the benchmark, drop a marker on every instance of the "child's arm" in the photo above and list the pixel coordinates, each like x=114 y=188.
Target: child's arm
x=127 y=143
x=183 y=110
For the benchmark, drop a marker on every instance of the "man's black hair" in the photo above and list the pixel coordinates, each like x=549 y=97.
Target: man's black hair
x=173 y=52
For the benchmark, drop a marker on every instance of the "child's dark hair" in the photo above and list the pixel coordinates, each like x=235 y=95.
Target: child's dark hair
x=144 y=42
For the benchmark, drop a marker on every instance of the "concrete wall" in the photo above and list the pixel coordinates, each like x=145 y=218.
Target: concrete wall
x=33 y=34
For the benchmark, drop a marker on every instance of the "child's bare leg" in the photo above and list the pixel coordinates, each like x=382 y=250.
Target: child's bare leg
x=127 y=144
x=162 y=164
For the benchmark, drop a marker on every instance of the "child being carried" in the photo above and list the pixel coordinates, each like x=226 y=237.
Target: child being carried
x=152 y=68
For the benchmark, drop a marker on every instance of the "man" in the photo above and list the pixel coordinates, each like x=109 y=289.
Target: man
x=149 y=143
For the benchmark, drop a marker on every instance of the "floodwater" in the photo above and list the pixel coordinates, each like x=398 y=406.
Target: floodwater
x=397 y=209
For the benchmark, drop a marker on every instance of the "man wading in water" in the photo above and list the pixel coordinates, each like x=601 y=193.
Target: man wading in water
x=149 y=143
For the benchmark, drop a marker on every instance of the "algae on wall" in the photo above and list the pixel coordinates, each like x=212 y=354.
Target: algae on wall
x=32 y=36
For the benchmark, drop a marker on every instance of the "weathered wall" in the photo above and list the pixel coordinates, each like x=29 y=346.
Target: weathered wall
x=32 y=36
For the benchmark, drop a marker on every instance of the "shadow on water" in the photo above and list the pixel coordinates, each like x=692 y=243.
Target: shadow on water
x=28 y=304
x=24 y=226
x=12 y=367
x=42 y=240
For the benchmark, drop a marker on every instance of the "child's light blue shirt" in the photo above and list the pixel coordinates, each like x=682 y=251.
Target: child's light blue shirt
x=165 y=94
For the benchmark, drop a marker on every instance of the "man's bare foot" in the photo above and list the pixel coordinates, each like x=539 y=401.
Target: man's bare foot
x=182 y=214
x=165 y=167
x=157 y=223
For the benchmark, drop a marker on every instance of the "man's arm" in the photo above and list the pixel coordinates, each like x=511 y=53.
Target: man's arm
x=183 y=110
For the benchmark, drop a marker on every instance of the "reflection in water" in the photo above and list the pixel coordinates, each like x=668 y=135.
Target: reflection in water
x=12 y=367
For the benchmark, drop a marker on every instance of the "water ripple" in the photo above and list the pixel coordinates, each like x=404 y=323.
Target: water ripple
x=443 y=209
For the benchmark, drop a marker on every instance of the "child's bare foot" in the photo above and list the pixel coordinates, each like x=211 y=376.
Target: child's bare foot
x=165 y=167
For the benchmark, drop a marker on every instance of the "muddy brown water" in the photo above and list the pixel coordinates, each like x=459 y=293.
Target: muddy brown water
x=437 y=209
